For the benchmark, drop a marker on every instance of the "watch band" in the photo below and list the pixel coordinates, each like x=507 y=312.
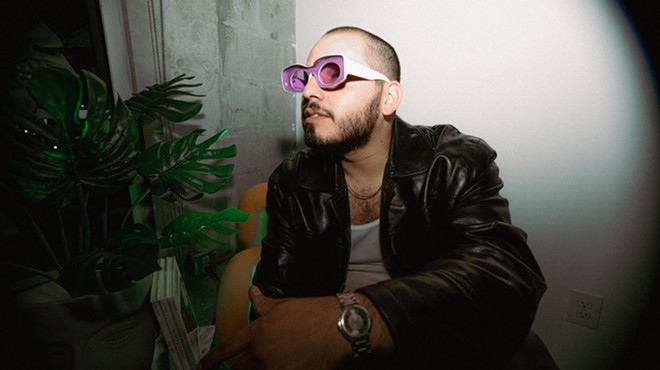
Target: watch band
x=361 y=346
x=347 y=299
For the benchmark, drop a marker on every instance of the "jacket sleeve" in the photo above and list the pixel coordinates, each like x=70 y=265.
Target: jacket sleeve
x=277 y=245
x=473 y=304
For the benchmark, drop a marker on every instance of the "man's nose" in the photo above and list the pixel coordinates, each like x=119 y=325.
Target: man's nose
x=312 y=88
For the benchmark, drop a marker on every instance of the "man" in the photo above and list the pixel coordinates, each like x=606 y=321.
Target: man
x=409 y=218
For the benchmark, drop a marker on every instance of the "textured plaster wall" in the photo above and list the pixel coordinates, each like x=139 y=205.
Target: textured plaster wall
x=236 y=49
x=257 y=39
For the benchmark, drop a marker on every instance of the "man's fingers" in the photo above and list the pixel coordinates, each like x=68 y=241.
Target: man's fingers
x=223 y=351
x=255 y=293
x=260 y=302
x=243 y=361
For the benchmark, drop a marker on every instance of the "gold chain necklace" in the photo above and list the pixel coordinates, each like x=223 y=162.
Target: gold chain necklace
x=363 y=197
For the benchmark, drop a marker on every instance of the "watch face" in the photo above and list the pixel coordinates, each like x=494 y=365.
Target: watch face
x=355 y=322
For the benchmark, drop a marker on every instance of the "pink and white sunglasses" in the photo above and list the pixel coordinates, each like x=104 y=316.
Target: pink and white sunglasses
x=330 y=71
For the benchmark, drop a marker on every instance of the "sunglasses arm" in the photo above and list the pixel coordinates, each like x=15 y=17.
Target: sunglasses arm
x=359 y=70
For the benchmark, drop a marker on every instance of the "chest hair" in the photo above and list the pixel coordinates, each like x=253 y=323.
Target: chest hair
x=364 y=211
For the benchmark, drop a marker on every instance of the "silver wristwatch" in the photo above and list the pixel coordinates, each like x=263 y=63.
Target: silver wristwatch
x=355 y=324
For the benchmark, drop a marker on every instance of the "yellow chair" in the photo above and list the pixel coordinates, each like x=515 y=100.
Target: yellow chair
x=232 y=307
x=253 y=202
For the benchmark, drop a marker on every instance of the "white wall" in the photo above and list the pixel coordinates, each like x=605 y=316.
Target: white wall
x=558 y=89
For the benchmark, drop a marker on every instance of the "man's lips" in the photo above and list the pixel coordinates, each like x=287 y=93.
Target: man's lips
x=312 y=115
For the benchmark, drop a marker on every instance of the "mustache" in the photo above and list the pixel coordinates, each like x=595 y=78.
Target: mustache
x=317 y=107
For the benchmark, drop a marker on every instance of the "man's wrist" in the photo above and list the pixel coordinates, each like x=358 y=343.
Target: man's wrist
x=380 y=337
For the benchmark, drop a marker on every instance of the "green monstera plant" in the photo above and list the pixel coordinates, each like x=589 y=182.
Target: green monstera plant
x=62 y=145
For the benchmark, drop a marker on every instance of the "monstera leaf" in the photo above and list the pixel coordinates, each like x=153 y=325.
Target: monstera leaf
x=58 y=148
x=158 y=102
x=127 y=256
x=201 y=228
x=184 y=169
x=61 y=141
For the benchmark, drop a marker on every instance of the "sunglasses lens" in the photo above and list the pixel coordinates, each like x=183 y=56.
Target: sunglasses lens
x=299 y=79
x=329 y=74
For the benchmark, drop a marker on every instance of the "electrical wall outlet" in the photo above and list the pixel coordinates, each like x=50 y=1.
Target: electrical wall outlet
x=584 y=308
x=198 y=261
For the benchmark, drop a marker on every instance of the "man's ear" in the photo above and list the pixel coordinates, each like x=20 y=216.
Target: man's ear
x=391 y=98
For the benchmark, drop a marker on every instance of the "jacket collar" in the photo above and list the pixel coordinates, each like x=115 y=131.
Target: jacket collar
x=319 y=171
x=411 y=149
x=410 y=153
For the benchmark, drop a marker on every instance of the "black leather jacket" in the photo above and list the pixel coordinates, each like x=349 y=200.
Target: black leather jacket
x=464 y=287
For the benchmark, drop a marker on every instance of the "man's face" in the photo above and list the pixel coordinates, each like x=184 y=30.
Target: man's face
x=340 y=119
x=351 y=131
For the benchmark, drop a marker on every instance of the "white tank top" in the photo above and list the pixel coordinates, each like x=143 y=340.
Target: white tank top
x=365 y=266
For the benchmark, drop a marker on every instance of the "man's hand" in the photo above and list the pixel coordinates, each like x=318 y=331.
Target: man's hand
x=290 y=333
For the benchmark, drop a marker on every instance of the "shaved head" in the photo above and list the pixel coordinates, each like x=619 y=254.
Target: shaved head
x=382 y=56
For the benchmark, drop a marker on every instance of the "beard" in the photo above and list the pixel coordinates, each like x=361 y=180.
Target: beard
x=355 y=130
